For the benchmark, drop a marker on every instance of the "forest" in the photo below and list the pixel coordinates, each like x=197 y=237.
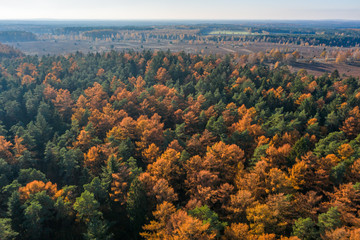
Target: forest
x=17 y=36
x=174 y=145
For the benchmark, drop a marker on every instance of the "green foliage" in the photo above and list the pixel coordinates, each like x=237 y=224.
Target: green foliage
x=111 y=167
x=305 y=228
x=3 y=130
x=276 y=122
x=87 y=206
x=332 y=120
x=301 y=147
x=205 y=214
x=69 y=165
x=136 y=206
x=98 y=230
x=259 y=152
x=217 y=127
x=33 y=220
x=16 y=212
x=338 y=172
x=329 y=144
x=5 y=173
x=97 y=188
x=29 y=175
x=134 y=169
x=6 y=232
x=38 y=213
x=126 y=149
x=357 y=186
x=329 y=220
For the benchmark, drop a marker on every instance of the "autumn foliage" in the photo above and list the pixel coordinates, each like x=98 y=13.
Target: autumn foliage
x=163 y=145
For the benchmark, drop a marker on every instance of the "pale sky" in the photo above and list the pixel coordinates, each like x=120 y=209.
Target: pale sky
x=180 y=9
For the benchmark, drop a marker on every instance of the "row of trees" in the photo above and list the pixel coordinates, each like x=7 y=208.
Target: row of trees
x=17 y=36
x=144 y=34
x=176 y=146
x=329 y=39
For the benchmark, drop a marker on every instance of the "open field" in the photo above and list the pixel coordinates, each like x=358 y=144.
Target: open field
x=309 y=61
x=318 y=68
x=217 y=39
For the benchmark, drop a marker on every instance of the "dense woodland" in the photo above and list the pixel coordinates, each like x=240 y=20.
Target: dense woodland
x=17 y=36
x=126 y=145
x=312 y=40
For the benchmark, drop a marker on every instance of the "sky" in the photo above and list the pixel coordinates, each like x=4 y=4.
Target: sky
x=180 y=9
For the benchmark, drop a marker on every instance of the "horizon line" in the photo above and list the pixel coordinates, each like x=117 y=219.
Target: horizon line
x=162 y=19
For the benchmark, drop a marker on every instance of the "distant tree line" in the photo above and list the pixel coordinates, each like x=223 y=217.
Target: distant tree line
x=17 y=36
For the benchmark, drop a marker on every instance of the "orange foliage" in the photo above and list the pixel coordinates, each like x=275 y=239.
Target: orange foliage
x=5 y=153
x=271 y=215
x=312 y=121
x=39 y=186
x=238 y=231
x=150 y=131
x=50 y=92
x=151 y=153
x=312 y=86
x=278 y=92
x=238 y=204
x=166 y=165
x=340 y=87
x=105 y=119
x=347 y=199
x=83 y=140
x=190 y=120
x=27 y=69
x=307 y=204
x=163 y=191
x=353 y=171
x=298 y=174
x=119 y=186
x=51 y=78
x=302 y=98
x=162 y=75
x=63 y=102
x=96 y=98
x=74 y=67
x=176 y=146
x=100 y=72
x=345 y=151
x=357 y=95
x=199 y=143
x=176 y=225
x=56 y=68
x=351 y=125
x=27 y=79
x=245 y=123
x=278 y=156
x=230 y=114
x=93 y=160
x=208 y=178
x=224 y=159
x=19 y=148
x=138 y=84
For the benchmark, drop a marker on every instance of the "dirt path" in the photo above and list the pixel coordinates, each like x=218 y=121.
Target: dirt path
x=228 y=49
x=246 y=50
